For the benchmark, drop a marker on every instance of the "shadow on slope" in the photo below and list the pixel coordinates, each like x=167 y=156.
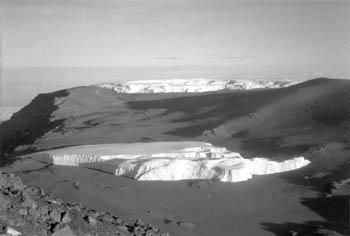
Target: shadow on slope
x=213 y=109
x=272 y=146
x=210 y=109
x=30 y=123
x=317 y=112
x=334 y=210
x=266 y=122
x=326 y=169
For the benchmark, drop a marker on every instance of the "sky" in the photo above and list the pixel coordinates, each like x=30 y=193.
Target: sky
x=107 y=33
x=233 y=37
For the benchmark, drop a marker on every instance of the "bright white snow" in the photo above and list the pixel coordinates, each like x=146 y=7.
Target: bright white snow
x=173 y=161
x=191 y=85
x=227 y=169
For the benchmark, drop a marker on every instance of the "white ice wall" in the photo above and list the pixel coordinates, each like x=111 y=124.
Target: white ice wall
x=263 y=166
x=191 y=85
x=222 y=169
x=204 y=161
x=73 y=159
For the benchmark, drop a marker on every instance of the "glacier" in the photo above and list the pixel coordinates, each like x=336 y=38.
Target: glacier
x=173 y=161
x=222 y=169
x=192 y=85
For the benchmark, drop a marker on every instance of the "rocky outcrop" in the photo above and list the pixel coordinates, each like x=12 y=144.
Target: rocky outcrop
x=173 y=161
x=29 y=211
x=191 y=85
x=335 y=186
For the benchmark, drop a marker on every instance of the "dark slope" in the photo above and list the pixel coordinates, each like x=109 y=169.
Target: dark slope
x=30 y=123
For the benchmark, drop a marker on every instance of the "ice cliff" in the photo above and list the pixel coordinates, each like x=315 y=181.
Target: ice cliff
x=191 y=85
x=74 y=159
x=222 y=169
x=173 y=161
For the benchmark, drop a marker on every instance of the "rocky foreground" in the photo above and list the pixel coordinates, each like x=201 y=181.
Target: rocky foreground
x=29 y=211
